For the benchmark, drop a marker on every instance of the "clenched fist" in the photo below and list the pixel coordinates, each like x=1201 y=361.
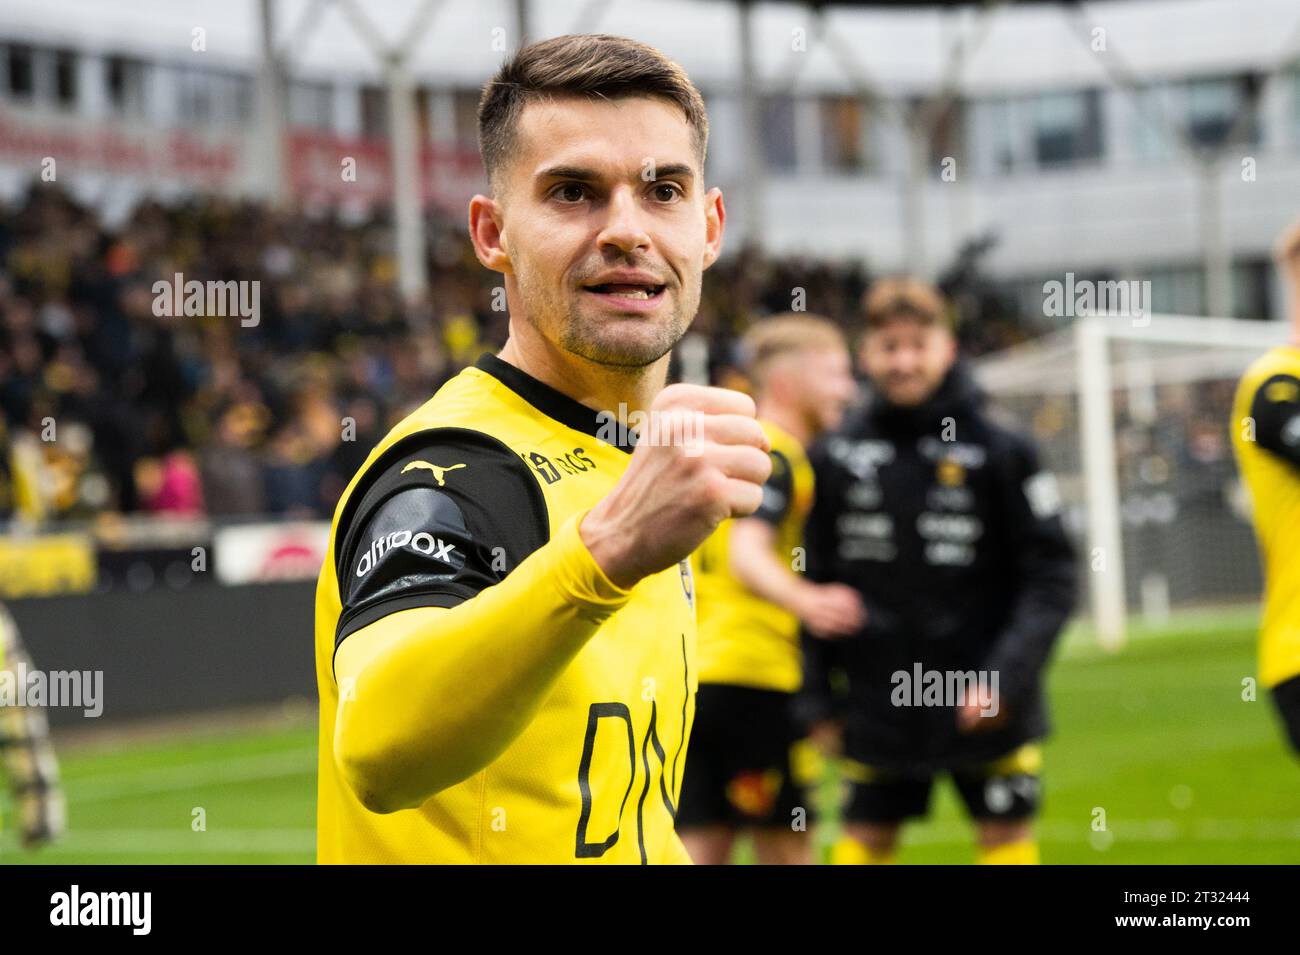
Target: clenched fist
x=705 y=460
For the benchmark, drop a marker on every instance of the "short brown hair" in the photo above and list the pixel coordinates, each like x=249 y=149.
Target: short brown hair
x=595 y=65
x=906 y=299
x=770 y=338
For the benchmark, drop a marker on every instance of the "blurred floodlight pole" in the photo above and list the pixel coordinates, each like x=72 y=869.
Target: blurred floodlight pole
x=522 y=27
x=403 y=140
x=913 y=206
x=921 y=125
x=754 y=161
x=1214 y=241
x=270 y=113
x=408 y=196
x=918 y=120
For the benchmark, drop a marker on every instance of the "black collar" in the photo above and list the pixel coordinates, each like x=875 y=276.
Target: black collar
x=556 y=404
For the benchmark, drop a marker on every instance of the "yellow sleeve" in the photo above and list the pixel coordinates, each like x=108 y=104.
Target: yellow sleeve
x=430 y=696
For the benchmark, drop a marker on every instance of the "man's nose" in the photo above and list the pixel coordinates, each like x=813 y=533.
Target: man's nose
x=905 y=363
x=625 y=227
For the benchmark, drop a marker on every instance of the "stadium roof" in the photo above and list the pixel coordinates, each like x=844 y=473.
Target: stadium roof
x=901 y=46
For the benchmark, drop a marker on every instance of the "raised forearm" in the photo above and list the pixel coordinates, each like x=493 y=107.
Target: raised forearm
x=760 y=569
x=429 y=696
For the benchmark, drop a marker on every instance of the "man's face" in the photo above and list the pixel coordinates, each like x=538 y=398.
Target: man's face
x=907 y=360
x=604 y=226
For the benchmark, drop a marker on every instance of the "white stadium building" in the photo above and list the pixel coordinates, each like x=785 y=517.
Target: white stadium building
x=1152 y=139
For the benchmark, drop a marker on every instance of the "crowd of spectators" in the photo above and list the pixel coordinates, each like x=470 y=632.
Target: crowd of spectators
x=108 y=408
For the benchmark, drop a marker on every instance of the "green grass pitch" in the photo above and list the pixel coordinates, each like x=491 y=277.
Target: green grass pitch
x=1157 y=737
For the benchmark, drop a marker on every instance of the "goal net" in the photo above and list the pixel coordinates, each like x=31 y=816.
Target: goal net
x=1132 y=416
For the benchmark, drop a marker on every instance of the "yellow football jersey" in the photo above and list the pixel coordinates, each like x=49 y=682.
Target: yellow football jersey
x=744 y=639
x=1266 y=436
x=448 y=503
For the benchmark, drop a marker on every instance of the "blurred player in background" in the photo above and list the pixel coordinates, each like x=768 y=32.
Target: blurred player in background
x=943 y=522
x=505 y=633
x=750 y=600
x=26 y=754
x=1266 y=436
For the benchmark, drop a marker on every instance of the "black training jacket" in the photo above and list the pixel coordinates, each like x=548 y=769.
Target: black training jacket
x=943 y=521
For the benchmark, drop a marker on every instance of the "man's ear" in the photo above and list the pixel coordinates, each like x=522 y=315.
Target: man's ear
x=485 y=226
x=715 y=221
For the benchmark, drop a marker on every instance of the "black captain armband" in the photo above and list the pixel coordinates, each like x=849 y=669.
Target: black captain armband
x=1275 y=410
x=437 y=518
x=778 y=490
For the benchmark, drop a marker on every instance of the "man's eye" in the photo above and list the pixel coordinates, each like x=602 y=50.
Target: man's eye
x=570 y=192
x=667 y=192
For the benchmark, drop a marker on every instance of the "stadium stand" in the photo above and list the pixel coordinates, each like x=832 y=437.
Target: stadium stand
x=208 y=416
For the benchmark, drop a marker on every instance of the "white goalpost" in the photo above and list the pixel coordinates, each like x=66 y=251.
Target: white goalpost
x=1131 y=412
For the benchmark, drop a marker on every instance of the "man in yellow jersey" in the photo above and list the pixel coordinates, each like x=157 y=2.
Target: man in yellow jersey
x=751 y=601
x=505 y=629
x=1266 y=436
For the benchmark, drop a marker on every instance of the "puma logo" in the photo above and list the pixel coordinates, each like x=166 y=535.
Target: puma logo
x=438 y=472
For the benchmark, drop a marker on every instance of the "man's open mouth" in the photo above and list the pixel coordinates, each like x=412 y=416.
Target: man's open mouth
x=633 y=292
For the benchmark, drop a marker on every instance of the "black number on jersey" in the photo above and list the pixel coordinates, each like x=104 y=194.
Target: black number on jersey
x=597 y=712
x=616 y=710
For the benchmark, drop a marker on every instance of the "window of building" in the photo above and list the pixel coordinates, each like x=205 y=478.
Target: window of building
x=1250 y=289
x=423 y=103
x=65 y=78
x=464 y=110
x=1177 y=291
x=374 y=112
x=311 y=105
x=207 y=97
x=1152 y=132
x=844 y=125
x=19 y=74
x=947 y=138
x=779 y=133
x=1066 y=127
x=999 y=126
x=1212 y=108
x=195 y=97
x=126 y=85
x=242 y=97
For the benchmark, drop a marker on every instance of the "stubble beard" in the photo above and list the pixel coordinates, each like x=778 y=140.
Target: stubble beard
x=629 y=342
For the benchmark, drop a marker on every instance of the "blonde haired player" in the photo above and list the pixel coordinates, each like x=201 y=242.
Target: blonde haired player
x=505 y=634
x=1266 y=437
x=751 y=602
